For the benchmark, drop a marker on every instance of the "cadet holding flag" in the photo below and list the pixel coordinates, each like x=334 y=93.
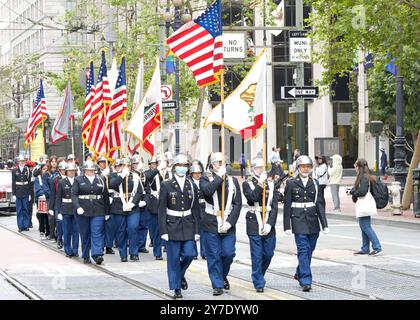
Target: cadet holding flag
x=262 y=234
x=179 y=223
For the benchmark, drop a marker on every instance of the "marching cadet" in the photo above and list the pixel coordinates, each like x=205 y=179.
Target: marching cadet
x=104 y=172
x=21 y=189
x=219 y=232
x=179 y=223
x=137 y=167
x=154 y=180
x=125 y=209
x=260 y=228
x=51 y=202
x=65 y=211
x=196 y=171
x=304 y=210
x=91 y=202
x=71 y=158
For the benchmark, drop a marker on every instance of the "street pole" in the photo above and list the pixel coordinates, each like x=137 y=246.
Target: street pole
x=300 y=82
x=377 y=157
x=400 y=170
x=361 y=102
x=175 y=26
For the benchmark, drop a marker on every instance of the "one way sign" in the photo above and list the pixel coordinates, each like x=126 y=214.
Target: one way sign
x=299 y=92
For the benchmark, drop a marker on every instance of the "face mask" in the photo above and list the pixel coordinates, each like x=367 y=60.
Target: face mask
x=304 y=175
x=181 y=171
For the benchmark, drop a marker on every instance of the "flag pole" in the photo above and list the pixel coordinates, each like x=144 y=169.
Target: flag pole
x=72 y=133
x=222 y=102
x=126 y=154
x=264 y=205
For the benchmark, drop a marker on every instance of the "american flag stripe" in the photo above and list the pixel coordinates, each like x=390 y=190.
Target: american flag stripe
x=199 y=44
x=38 y=115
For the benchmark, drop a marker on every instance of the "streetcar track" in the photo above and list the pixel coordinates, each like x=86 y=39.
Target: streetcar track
x=140 y=285
x=30 y=294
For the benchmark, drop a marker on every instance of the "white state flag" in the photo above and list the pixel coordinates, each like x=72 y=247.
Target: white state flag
x=146 y=118
x=245 y=107
x=278 y=18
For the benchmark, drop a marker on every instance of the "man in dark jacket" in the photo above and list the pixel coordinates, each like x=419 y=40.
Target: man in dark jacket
x=179 y=213
x=260 y=226
x=91 y=202
x=21 y=189
x=303 y=211
x=219 y=230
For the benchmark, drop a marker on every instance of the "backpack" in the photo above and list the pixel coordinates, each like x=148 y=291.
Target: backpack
x=380 y=193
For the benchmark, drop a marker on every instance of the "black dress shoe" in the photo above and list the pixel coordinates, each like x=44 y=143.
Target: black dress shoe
x=134 y=258
x=69 y=255
x=184 y=284
x=260 y=290
x=76 y=255
x=306 y=288
x=204 y=258
x=178 y=294
x=109 y=251
x=226 y=284
x=98 y=259
x=217 y=292
x=158 y=258
x=31 y=226
x=296 y=277
x=26 y=229
x=124 y=260
x=20 y=230
x=143 y=250
x=59 y=244
x=86 y=260
x=195 y=258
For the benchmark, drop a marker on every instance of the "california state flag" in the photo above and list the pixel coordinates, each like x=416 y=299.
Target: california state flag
x=146 y=119
x=245 y=108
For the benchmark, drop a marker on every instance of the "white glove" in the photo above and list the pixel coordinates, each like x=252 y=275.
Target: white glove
x=13 y=198
x=51 y=212
x=262 y=178
x=41 y=197
x=225 y=227
x=162 y=165
x=266 y=229
x=30 y=198
x=80 y=211
x=107 y=218
x=326 y=231
x=60 y=217
x=128 y=206
x=142 y=204
x=124 y=172
x=288 y=232
x=165 y=237
x=196 y=237
x=222 y=171
x=105 y=172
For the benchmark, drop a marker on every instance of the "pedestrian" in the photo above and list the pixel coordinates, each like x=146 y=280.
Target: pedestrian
x=303 y=212
x=384 y=163
x=219 y=231
x=321 y=174
x=336 y=174
x=365 y=208
x=125 y=209
x=154 y=180
x=179 y=215
x=275 y=156
x=242 y=163
x=196 y=172
x=260 y=227
x=91 y=202
x=21 y=190
x=63 y=205
x=42 y=194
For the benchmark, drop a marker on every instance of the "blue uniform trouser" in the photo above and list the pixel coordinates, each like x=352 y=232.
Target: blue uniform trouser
x=58 y=227
x=70 y=234
x=305 y=244
x=220 y=250
x=110 y=232
x=155 y=235
x=262 y=250
x=92 y=234
x=126 y=228
x=143 y=229
x=202 y=245
x=22 y=212
x=179 y=254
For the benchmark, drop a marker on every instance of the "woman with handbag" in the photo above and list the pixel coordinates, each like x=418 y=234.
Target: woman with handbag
x=365 y=208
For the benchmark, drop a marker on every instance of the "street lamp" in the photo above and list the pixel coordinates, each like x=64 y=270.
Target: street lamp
x=376 y=130
x=400 y=170
x=176 y=21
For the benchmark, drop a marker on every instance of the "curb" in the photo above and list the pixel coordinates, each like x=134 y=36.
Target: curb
x=377 y=221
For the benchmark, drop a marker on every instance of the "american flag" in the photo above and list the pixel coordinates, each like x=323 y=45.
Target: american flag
x=199 y=44
x=116 y=111
x=38 y=115
x=90 y=92
x=100 y=105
